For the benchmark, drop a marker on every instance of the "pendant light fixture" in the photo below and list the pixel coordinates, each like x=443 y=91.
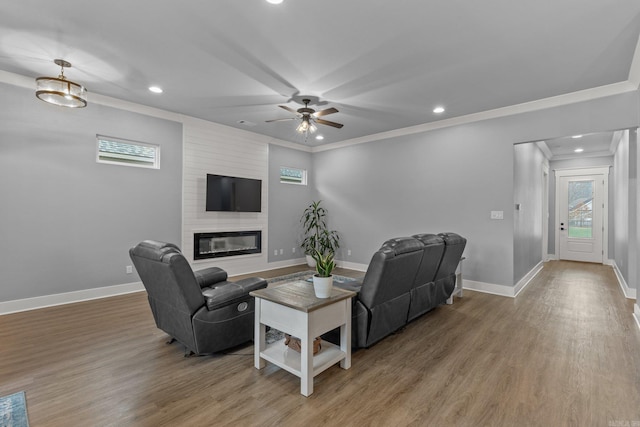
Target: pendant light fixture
x=60 y=91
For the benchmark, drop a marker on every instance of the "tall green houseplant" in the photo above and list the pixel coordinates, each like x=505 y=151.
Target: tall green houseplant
x=317 y=236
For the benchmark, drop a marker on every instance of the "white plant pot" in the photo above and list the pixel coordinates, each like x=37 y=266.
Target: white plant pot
x=311 y=262
x=322 y=286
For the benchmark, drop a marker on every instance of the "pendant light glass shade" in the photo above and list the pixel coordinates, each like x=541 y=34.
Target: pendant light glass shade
x=60 y=91
x=306 y=126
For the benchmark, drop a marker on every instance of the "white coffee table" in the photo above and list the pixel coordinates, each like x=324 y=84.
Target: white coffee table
x=294 y=309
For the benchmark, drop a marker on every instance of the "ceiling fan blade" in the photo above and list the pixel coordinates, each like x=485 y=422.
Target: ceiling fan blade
x=325 y=112
x=280 y=120
x=289 y=109
x=328 y=123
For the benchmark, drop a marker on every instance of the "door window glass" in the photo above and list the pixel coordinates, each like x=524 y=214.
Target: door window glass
x=581 y=209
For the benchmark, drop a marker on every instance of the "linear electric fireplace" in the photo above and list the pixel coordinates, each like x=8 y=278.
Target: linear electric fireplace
x=228 y=243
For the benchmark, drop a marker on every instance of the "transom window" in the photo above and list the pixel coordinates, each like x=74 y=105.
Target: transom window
x=129 y=153
x=293 y=176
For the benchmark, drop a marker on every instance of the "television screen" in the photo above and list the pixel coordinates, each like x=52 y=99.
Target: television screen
x=233 y=194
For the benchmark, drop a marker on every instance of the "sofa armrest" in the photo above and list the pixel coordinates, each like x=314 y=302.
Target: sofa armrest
x=225 y=293
x=210 y=276
x=353 y=286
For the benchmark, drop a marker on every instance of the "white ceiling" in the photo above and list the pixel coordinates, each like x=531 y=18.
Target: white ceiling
x=593 y=145
x=384 y=65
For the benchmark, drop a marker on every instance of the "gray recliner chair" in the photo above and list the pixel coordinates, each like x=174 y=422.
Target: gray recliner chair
x=201 y=310
x=385 y=294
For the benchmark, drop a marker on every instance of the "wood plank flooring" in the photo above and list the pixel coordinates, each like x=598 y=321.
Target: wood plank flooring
x=565 y=352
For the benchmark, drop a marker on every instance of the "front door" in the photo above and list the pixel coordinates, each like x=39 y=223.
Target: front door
x=580 y=217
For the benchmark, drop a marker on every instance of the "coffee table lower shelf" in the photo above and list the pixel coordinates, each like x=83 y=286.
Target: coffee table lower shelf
x=290 y=360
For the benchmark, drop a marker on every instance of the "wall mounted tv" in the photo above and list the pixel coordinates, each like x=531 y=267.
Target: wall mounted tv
x=233 y=194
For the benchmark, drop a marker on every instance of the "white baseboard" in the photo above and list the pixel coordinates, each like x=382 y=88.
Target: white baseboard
x=7 y=307
x=489 y=288
x=552 y=257
x=522 y=283
x=626 y=290
x=352 y=265
x=636 y=314
x=503 y=290
x=26 y=304
x=281 y=264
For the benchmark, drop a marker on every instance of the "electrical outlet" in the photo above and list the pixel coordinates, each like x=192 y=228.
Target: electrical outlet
x=281 y=251
x=497 y=214
x=348 y=252
x=275 y=252
x=129 y=269
x=293 y=250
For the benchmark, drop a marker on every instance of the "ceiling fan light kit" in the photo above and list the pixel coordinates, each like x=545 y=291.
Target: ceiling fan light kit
x=306 y=126
x=309 y=117
x=60 y=91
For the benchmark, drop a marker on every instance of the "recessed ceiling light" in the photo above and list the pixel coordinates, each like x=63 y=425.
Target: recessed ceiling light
x=155 y=89
x=438 y=110
x=578 y=150
x=576 y=136
x=274 y=1
x=319 y=137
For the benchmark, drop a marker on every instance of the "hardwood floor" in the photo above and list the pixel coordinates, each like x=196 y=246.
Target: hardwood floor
x=566 y=351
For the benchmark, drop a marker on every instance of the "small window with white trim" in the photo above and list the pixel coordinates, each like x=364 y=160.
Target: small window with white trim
x=293 y=176
x=118 y=151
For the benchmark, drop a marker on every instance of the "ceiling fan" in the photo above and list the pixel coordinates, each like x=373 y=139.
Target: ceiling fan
x=309 y=117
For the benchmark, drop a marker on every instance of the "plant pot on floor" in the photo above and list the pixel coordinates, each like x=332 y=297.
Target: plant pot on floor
x=322 y=286
x=311 y=262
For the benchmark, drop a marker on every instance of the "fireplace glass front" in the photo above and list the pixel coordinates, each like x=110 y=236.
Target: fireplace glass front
x=228 y=243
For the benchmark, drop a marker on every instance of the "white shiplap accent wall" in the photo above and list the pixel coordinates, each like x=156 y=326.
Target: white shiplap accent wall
x=216 y=149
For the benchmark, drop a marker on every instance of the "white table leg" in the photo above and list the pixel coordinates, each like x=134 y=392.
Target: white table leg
x=259 y=342
x=306 y=356
x=345 y=336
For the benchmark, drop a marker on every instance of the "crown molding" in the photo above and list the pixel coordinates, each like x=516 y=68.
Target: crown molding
x=634 y=70
x=107 y=101
x=615 y=140
x=541 y=104
x=542 y=145
x=582 y=155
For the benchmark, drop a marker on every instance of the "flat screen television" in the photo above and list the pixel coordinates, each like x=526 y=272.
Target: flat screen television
x=233 y=194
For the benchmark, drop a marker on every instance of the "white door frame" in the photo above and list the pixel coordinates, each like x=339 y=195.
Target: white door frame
x=602 y=170
x=545 y=212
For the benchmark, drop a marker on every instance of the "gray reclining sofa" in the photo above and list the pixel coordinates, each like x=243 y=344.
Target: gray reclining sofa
x=407 y=277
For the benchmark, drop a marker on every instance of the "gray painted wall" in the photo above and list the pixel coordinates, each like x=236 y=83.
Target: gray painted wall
x=586 y=162
x=441 y=181
x=286 y=203
x=527 y=223
x=449 y=180
x=67 y=222
x=634 y=214
x=621 y=206
x=633 y=253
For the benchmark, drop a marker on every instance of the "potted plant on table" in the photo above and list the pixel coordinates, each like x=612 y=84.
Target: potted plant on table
x=317 y=236
x=323 y=279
